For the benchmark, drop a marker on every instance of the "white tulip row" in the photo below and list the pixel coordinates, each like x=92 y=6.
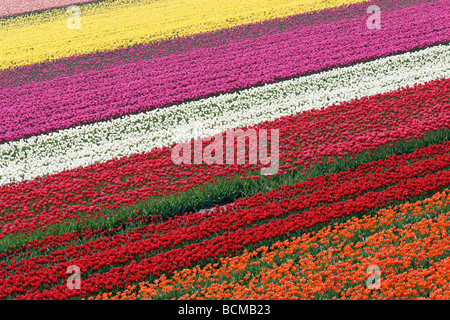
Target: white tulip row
x=84 y=145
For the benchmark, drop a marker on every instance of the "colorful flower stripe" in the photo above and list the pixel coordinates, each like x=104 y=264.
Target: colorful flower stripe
x=13 y=7
x=369 y=124
x=122 y=266
x=107 y=26
x=44 y=107
x=63 y=67
x=306 y=267
x=69 y=149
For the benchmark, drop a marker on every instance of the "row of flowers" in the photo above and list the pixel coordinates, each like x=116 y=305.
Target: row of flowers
x=340 y=130
x=94 y=96
x=229 y=230
x=108 y=26
x=408 y=244
x=98 y=142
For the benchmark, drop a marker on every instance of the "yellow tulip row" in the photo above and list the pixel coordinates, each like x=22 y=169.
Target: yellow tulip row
x=44 y=36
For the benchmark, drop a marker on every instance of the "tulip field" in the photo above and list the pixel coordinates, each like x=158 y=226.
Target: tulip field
x=347 y=102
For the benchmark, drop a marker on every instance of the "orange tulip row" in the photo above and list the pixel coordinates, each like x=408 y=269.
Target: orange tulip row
x=407 y=243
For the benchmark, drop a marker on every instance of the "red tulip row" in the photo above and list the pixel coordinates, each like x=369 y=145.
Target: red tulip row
x=345 y=129
x=165 y=247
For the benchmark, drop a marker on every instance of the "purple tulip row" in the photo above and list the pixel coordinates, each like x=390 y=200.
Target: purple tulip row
x=100 y=95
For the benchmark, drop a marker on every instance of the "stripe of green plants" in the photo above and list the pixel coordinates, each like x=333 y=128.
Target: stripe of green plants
x=221 y=192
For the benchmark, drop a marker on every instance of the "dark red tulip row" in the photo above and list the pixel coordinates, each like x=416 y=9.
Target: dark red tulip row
x=349 y=128
x=119 y=260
